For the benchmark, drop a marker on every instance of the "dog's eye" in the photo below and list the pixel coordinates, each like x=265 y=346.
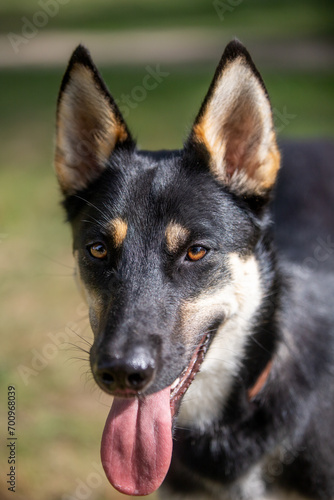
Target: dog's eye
x=196 y=253
x=98 y=250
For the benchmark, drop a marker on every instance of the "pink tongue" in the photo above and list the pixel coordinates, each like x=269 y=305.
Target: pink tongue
x=136 y=447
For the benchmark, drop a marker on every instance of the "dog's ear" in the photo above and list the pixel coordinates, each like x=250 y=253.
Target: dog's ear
x=89 y=125
x=235 y=127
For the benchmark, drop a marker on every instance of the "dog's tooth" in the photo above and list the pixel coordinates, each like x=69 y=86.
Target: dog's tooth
x=175 y=383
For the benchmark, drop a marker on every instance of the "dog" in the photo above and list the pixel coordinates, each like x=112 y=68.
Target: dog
x=217 y=348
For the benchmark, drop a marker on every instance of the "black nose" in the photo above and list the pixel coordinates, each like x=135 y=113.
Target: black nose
x=125 y=376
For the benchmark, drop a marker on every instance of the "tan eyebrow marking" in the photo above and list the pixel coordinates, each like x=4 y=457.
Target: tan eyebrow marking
x=119 y=229
x=176 y=235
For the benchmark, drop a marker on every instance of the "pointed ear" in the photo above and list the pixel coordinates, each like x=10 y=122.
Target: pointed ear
x=89 y=125
x=235 y=126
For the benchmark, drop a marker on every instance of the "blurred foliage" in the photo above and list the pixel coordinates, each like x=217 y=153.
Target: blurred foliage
x=258 y=17
x=162 y=120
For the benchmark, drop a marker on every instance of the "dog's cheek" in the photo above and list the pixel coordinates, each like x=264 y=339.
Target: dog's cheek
x=92 y=299
x=239 y=300
x=98 y=304
x=96 y=308
x=197 y=314
x=94 y=319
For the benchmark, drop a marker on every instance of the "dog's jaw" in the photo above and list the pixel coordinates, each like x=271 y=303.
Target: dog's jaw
x=203 y=400
x=182 y=383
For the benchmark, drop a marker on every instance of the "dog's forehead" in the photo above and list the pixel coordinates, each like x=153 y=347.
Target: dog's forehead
x=155 y=197
x=157 y=172
x=187 y=182
x=159 y=186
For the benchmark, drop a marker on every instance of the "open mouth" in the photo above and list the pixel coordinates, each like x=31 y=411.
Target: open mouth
x=137 y=441
x=180 y=386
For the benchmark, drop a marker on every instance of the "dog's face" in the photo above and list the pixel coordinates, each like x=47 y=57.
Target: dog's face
x=155 y=260
x=165 y=242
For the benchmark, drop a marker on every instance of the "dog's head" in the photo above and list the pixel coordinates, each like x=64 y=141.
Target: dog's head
x=166 y=243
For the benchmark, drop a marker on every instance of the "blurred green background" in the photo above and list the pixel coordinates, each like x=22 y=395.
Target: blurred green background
x=60 y=412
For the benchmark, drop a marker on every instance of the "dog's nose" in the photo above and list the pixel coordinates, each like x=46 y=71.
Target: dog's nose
x=125 y=376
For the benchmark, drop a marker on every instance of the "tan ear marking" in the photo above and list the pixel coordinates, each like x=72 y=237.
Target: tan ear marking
x=88 y=128
x=236 y=128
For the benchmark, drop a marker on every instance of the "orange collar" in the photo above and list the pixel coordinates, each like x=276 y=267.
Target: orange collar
x=259 y=384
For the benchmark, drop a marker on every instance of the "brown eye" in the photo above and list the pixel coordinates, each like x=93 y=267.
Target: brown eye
x=98 y=251
x=196 y=253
